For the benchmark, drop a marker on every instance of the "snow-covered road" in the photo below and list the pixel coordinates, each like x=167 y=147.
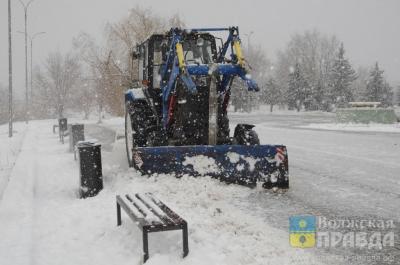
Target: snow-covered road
x=333 y=174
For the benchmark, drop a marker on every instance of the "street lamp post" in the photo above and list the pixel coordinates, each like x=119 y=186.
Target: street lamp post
x=26 y=56
x=10 y=101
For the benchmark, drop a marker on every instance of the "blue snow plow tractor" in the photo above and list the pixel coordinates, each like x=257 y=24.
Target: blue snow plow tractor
x=176 y=118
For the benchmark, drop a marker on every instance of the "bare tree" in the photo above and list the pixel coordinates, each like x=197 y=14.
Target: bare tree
x=109 y=68
x=106 y=76
x=260 y=69
x=55 y=83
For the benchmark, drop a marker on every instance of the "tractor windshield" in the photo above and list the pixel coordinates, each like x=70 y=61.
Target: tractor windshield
x=197 y=51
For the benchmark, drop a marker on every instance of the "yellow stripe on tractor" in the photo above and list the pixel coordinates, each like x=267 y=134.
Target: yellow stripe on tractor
x=238 y=51
x=181 y=58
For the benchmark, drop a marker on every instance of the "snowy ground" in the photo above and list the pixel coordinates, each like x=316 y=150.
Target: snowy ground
x=333 y=174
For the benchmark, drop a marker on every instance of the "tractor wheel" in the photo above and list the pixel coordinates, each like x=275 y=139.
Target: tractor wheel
x=253 y=138
x=128 y=136
x=245 y=135
x=134 y=130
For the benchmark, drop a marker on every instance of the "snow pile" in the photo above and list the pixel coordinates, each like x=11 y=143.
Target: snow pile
x=233 y=157
x=355 y=127
x=202 y=164
x=250 y=161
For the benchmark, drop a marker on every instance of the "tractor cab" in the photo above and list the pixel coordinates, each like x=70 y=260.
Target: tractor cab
x=152 y=55
x=188 y=114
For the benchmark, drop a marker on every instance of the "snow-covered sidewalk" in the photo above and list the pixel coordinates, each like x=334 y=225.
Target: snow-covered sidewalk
x=42 y=221
x=9 y=151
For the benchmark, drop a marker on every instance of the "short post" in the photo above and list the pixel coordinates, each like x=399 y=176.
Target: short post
x=91 y=176
x=62 y=127
x=76 y=134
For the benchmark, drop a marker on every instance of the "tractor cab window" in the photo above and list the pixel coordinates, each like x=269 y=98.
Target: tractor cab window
x=197 y=51
x=143 y=61
x=157 y=62
x=140 y=63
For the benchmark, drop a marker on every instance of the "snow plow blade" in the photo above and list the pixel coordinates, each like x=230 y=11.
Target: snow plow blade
x=240 y=164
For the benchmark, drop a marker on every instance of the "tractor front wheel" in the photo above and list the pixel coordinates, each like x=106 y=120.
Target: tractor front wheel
x=134 y=129
x=129 y=135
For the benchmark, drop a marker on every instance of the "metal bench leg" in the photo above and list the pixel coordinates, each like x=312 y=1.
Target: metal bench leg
x=145 y=246
x=185 y=240
x=119 y=221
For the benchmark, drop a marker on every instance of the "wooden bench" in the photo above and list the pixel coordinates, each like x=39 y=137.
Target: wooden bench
x=151 y=215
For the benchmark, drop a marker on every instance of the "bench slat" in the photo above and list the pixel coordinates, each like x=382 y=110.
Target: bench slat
x=130 y=211
x=149 y=217
x=171 y=214
x=156 y=210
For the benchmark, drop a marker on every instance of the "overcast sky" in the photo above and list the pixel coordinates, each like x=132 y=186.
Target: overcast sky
x=370 y=29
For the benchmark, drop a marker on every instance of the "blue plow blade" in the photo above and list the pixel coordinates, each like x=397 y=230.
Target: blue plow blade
x=244 y=165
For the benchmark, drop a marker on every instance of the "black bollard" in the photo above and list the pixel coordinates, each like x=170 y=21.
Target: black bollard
x=62 y=127
x=76 y=134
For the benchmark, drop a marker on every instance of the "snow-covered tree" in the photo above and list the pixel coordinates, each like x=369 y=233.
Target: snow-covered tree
x=271 y=94
x=297 y=89
x=315 y=54
x=340 y=79
x=377 y=88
